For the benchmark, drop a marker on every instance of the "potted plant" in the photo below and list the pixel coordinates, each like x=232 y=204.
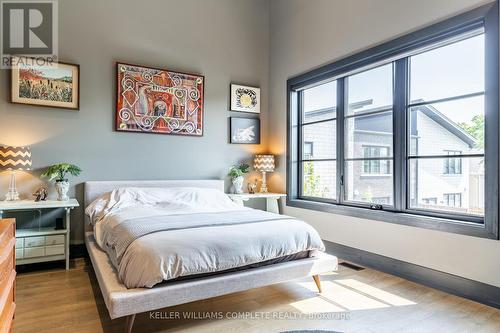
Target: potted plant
x=58 y=173
x=236 y=173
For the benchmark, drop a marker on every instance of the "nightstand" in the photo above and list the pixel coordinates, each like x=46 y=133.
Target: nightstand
x=40 y=244
x=272 y=199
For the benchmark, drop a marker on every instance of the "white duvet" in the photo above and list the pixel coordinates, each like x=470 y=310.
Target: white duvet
x=158 y=234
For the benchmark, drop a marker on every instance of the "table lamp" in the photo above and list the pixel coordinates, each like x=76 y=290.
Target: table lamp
x=263 y=163
x=12 y=159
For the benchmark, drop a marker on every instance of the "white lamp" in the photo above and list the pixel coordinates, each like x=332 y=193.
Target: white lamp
x=263 y=163
x=12 y=159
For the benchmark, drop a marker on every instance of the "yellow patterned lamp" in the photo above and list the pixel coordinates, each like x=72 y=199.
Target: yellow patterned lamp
x=14 y=158
x=263 y=163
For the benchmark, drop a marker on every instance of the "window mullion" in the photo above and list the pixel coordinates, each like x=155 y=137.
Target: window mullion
x=341 y=91
x=300 y=103
x=400 y=133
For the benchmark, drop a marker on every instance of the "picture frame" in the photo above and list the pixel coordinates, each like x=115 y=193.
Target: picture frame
x=56 y=86
x=245 y=98
x=244 y=130
x=159 y=101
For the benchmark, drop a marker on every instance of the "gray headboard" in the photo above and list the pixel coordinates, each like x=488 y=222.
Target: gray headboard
x=94 y=189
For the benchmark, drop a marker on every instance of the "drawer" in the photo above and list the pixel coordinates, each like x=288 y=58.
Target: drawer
x=7 y=235
x=34 y=241
x=19 y=253
x=19 y=243
x=54 y=240
x=31 y=252
x=6 y=264
x=54 y=250
x=7 y=311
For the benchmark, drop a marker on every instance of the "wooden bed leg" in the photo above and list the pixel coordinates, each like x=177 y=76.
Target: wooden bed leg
x=129 y=323
x=318 y=282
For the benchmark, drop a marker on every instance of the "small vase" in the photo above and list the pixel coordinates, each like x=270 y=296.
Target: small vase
x=62 y=188
x=238 y=184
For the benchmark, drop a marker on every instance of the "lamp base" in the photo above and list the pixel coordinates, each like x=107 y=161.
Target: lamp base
x=12 y=194
x=263 y=186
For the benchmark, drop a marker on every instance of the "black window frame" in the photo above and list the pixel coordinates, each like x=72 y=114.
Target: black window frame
x=397 y=51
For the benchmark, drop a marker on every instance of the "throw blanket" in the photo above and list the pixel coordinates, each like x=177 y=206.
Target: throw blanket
x=123 y=234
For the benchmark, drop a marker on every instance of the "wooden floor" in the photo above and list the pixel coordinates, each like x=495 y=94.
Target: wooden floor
x=356 y=301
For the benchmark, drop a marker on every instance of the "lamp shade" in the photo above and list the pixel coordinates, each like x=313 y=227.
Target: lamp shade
x=15 y=158
x=264 y=163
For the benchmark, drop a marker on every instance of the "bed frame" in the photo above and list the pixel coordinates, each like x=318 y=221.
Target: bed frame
x=122 y=302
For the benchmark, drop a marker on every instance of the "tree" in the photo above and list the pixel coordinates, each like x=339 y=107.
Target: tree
x=476 y=129
x=312 y=182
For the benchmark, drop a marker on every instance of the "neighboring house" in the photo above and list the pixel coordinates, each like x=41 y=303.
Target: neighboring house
x=447 y=183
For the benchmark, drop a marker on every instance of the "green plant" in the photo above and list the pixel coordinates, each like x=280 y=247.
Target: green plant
x=312 y=183
x=59 y=171
x=238 y=170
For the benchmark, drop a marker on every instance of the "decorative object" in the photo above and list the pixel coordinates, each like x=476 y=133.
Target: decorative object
x=47 y=243
x=12 y=159
x=245 y=99
x=245 y=130
x=58 y=173
x=41 y=194
x=236 y=173
x=151 y=100
x=252 y=187
x=57 y=85
x=263 y=163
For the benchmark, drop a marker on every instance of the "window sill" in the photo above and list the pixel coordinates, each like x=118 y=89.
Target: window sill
x=414 y=220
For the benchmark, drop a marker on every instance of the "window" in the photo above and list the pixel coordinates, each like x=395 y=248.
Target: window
x=376 y=167
x=452 y=166
x=430 y=201
x=308 y=150
x=318 y=132
x=453 y=199
x=406 y=127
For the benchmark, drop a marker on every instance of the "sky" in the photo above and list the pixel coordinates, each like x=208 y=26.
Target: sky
x=448 y=71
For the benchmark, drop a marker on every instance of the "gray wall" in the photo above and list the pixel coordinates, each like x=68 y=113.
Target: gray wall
x=308 y=33
x=224 y=40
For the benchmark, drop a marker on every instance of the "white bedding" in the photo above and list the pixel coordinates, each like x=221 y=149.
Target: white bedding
x=204 y=232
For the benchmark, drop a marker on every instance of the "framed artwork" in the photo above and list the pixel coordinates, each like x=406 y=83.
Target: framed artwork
x=245 y=130
x=245 y=99
x=152 y=100
x=55 y=86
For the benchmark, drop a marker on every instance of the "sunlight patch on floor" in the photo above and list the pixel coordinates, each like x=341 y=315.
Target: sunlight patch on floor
x=342 y=297
x=347 y=295
x=377 y=293
x=315 y=305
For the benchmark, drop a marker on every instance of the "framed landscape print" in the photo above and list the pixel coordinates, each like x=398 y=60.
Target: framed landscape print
x=245 y=130
x=245 y=99
x=152 y=100
x=56 y=85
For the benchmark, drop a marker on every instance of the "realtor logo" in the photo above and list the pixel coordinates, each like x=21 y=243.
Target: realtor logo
x=29 y=28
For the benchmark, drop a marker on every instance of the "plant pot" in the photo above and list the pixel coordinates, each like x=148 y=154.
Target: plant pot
x=238 y=184
x=62 y=188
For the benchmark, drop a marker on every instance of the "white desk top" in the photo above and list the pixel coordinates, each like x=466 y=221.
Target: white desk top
x=31 y=204
x=256 y=195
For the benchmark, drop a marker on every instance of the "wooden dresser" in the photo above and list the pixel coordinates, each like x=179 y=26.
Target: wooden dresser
x=7 y=274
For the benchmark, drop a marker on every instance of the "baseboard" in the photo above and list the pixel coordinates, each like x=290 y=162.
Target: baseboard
x=453 y=284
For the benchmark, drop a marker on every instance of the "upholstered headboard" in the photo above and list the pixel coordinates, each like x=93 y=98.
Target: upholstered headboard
x=94 y=189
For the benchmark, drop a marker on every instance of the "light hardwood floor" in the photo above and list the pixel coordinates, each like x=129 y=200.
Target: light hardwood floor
x=361 y=301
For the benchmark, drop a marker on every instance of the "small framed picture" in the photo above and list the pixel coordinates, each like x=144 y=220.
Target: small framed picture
x=245 y=99
x=245 y=130
x=55 y=86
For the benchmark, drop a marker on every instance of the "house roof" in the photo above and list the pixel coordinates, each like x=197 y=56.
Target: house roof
x=428 y=110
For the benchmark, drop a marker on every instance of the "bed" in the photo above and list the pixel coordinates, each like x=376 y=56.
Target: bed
x=123 y=301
